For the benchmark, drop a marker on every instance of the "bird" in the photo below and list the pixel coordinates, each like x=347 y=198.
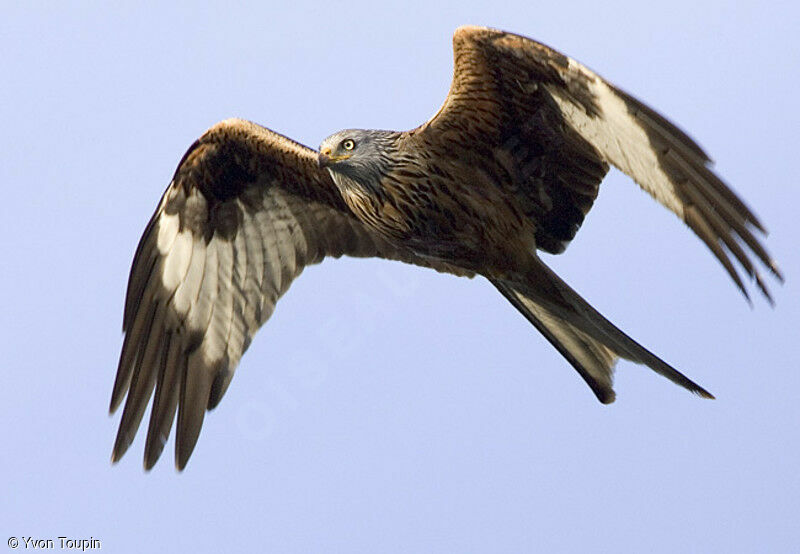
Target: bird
x=508 y=167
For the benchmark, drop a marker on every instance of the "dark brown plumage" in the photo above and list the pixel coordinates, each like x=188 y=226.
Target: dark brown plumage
x=511 y=163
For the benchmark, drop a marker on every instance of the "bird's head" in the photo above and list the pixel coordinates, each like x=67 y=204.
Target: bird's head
x=364 y=156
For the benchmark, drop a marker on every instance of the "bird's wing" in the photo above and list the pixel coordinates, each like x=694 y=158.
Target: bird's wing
x=246 y=211
x=550 y=125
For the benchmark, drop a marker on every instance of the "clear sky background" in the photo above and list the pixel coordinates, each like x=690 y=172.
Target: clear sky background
x=386 y=408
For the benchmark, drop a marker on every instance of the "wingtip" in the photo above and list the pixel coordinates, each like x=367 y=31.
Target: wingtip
x=113 y=405
x=776 y=271
x=755 y=222
x=117 y=394
x=746 y=294
x=122 y=442
x=185 y=441
x=150 y=459
x=180 y=462
x=764 y=290
x=184 y=446
x=148 y=464
x=153 y=448
x=115 y=457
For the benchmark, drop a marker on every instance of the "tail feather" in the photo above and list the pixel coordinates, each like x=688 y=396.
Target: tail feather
x=589 y=341
x=593 y=361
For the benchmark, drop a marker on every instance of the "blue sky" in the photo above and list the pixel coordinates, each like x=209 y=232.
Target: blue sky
x=385 y=408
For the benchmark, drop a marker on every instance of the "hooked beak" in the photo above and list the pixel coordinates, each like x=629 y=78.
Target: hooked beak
x=325 y=159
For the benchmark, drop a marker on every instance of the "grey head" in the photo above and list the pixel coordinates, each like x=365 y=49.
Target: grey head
x=359 y=157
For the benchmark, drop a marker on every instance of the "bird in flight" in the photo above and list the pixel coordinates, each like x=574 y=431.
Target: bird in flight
x=510 y=164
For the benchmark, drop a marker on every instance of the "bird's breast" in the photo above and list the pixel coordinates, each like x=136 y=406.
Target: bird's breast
x=376 y=212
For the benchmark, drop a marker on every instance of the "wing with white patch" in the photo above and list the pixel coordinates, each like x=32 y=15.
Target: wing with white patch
x=246 y=211
x=558 y=122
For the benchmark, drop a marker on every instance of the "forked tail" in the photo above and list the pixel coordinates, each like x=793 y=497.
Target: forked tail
x=590 y=342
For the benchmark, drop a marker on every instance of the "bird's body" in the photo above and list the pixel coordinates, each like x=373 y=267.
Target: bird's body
x=510 y=164
x=476 y=224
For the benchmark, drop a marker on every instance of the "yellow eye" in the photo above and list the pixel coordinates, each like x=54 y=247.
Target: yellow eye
x=348 y=144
